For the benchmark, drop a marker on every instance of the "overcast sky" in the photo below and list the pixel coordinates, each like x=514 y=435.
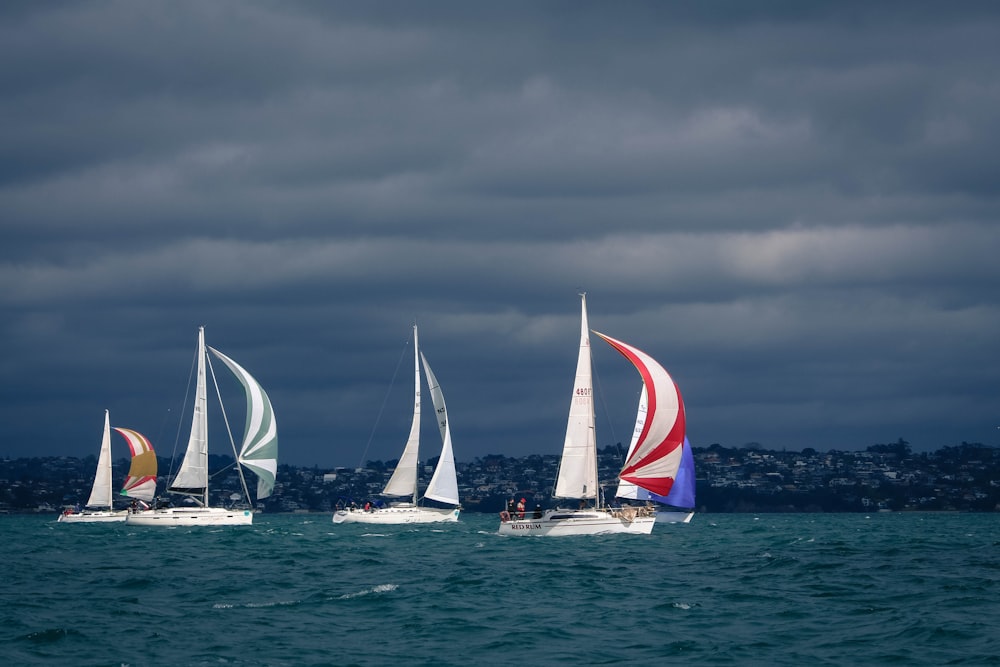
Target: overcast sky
x=793 y=207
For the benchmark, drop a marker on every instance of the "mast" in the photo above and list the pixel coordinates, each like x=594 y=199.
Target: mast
x=201 y=409
x=415 y=425
x=111 y=491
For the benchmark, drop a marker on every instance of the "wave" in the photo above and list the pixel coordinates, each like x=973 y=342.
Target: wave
x=374 y=590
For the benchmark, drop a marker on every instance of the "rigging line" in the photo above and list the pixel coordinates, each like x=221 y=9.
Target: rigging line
x=599 y=392
x=163 y=425
x=229 y=431
x=221 y=470
x=385 y=399
x=180 y=418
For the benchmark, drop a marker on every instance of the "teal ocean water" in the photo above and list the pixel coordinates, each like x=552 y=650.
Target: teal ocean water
x=733 y=589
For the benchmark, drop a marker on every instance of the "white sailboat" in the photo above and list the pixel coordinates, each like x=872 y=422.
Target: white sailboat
x=652 y=465
x=259 y=453
x=443 y=486
x=140 y=483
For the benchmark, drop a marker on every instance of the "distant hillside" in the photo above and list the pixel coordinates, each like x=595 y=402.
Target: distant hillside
x=884 y=477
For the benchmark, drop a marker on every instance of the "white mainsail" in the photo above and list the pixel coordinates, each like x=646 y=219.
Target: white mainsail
x=404 y=478
x=100 y=492
x=443 y=486
x=192 y=478
x=578 y=465
x=626 y=489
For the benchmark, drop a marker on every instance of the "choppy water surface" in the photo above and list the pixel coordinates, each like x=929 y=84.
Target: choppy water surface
x=733 y=589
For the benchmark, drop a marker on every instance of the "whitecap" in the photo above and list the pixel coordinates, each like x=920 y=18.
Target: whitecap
x=381 y=588
x=254 y=605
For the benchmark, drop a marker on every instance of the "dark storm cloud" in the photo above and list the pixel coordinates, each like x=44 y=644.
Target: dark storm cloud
x=793 y=207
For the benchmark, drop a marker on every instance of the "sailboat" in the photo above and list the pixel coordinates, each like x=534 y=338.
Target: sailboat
x=652 y=465
x=259 y=454
x=443 y=486
x=678 y=505
x=140 y=483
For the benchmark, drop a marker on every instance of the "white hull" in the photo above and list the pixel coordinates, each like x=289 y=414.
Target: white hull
x=191 y=516
x=98 y=516
x=668 y=516
x=397 y=515
x=559 y=522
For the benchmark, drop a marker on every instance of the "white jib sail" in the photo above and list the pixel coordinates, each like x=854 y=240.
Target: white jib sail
x=443 y=486
x=404 y=478
x=578 y=466
x=101 y=493
x=627 y=489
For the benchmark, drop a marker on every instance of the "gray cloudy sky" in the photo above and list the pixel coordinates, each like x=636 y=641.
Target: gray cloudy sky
x=793 y=207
